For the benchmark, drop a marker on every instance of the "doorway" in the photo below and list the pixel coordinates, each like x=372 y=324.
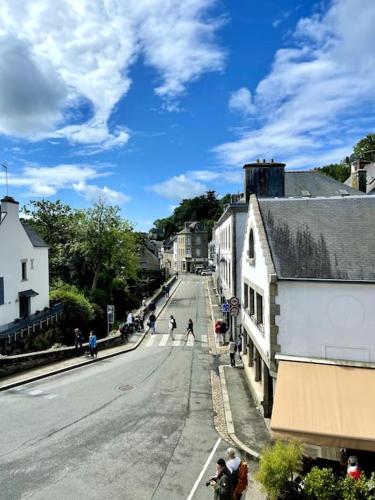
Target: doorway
x=24 y=306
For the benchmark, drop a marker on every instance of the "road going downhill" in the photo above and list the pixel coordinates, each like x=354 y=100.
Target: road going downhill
x=136 y=426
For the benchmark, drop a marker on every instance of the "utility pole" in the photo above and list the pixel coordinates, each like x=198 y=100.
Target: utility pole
x=5 y=166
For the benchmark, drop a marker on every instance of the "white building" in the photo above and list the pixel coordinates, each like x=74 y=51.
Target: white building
x=262 y=179
x=24 y=274
x=308 y=290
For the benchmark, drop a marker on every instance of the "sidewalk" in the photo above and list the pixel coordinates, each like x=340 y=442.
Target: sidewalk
x=238 y=421
x=83 y=360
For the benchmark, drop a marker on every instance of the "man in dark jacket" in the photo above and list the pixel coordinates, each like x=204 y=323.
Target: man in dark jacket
x=222 y=483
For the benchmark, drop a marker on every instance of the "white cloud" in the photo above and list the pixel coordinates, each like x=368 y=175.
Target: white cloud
x=203 y=175
x=319 y=89
x=93 y=193
x=242 y=102
x=48 y=181
x=178 y=188
x=54 y=55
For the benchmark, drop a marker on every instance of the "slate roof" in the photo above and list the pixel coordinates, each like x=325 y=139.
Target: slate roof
x=296 y=183
x=321 y=238
x=34 y=237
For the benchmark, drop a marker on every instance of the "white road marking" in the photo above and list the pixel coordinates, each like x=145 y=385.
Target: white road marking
x=196 y=484
x=190 y=342
x=204 y=339
x=164 y=339
x=51 y=396
x=151 y=340
x=35 y=392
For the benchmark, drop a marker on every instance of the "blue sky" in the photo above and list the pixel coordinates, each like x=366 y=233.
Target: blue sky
x=146 y=102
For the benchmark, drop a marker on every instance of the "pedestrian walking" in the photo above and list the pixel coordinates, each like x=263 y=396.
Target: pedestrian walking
x=78 y=341
x=93 y=345
x=232 y=351
x=151 y=323
x=130 y=318
x=221 y=482
x=233 y=465
x=152 y=306
x=190 y=329
x=177 y=274
x=144 y=302
x=172 y=325
x=239 y=346
x=166 y=290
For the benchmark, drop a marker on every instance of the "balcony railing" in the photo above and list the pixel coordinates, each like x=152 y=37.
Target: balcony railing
x=31 y=322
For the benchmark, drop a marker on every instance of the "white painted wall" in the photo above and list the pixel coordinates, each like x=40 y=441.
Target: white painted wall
x=15 y=246
x=241 y=221
x=256 y=273
x=328 y=320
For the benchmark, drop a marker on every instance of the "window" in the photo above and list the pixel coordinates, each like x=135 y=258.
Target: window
x=246 y=295
x=252 y=301
x=198 y=240
x=1 y=291
x=24 y=270
x=259 y=314
x=251 y=245
x=198 y=252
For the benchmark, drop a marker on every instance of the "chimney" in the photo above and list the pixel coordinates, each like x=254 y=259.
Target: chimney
x=358 y=164
x=9 y=209
x=359 y=180
x=264 y=179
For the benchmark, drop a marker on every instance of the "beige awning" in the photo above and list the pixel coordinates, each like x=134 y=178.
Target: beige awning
x=325 y=405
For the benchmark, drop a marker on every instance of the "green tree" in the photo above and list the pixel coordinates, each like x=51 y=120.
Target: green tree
x=276 y=467
x=57 y=224
x=206 y=208
x=365 y=148
x=338 y=171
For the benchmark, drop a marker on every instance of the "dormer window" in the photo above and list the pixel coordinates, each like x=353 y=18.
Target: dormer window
x=251 y=245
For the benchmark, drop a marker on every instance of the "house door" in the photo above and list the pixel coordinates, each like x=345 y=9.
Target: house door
x=24 y=307
x=188 y=267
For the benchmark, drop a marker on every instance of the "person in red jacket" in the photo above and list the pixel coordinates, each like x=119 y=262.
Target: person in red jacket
x=353 y=470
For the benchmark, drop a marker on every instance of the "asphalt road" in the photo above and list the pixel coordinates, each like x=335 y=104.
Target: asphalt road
x=136 y=426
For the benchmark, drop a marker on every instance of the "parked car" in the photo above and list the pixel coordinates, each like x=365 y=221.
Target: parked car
x=199 y=269
x=206 y=272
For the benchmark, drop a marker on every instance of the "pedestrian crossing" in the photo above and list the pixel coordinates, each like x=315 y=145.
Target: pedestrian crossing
x=179 y=340
x=26 y=391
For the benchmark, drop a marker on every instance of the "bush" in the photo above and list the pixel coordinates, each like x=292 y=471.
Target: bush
x=78 y=311
x=320 y=484
x=354 y=489
x=276 y=467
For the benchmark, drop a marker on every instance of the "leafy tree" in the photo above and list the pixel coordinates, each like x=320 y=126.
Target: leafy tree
x=365 y=148
x=206 y=208
x=320 y=484
x=276 y=467
x=338 y=171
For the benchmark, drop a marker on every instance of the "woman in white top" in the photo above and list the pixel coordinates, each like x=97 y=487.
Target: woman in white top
x=232 y=350
x=172 y=325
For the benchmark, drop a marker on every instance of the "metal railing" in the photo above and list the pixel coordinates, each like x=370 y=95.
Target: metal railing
x=31 y=321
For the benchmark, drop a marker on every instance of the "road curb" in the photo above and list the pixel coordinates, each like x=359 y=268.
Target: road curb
x=229 y=418
x=89 y=361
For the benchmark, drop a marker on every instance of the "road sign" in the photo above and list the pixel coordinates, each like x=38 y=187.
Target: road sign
x=234 y=311
x=225 y=307
x=234 y=302
x=111 y=314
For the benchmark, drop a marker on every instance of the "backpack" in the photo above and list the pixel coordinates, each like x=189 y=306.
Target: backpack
x=242 y=482
x=174 y=323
